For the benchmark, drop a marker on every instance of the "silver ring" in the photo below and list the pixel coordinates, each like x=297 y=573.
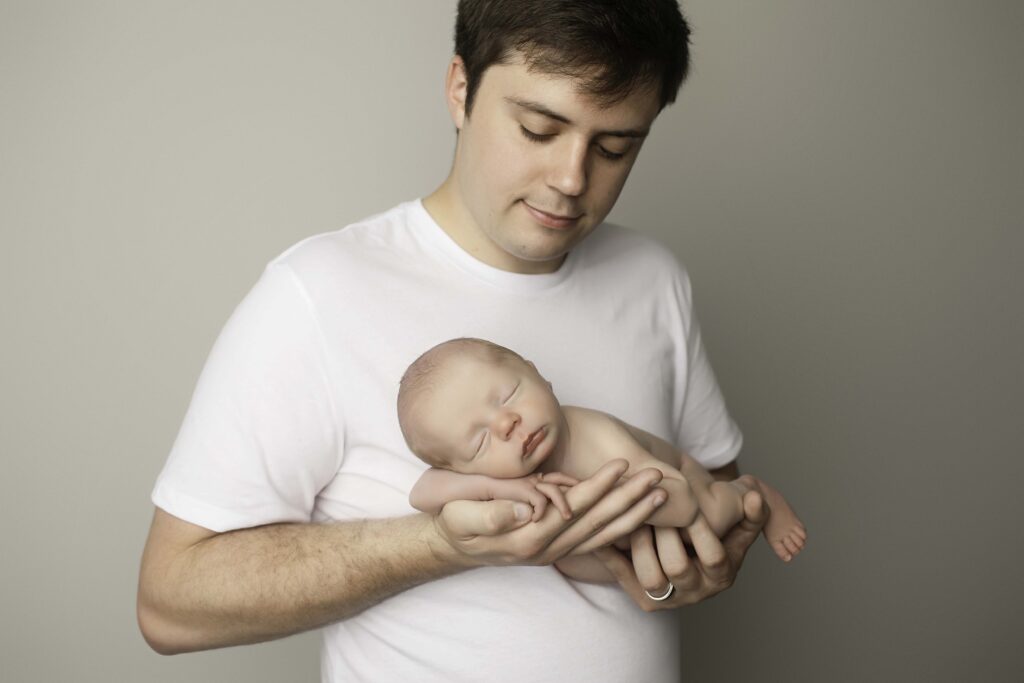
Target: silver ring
x=670 y=591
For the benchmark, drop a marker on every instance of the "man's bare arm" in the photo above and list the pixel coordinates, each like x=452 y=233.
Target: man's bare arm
x=199 y=589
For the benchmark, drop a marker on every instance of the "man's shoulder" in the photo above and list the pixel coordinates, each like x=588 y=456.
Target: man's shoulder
x=383 y=235
x=626 y=242
x=619 y=248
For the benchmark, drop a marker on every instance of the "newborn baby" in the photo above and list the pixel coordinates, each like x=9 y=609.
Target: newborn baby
x=491 y=428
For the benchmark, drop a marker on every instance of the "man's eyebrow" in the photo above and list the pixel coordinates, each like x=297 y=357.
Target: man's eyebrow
x=543 y=110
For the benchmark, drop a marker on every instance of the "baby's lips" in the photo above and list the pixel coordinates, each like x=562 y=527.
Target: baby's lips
x=532 y=441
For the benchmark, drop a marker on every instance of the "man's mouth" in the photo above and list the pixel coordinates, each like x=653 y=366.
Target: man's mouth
x=552 y=220
x=533 y=441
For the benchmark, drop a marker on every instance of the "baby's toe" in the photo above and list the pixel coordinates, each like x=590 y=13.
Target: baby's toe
x=781 y=551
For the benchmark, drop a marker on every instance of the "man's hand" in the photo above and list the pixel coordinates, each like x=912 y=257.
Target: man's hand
x=478 y=533
x=659 y=559
x=535 y=489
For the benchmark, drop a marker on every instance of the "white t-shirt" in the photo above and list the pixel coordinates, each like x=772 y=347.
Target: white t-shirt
x=293 y=420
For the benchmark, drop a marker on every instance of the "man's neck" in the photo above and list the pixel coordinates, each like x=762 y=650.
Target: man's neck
x=448 y=210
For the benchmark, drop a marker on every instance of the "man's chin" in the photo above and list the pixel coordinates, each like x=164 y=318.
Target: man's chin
x=546 y=252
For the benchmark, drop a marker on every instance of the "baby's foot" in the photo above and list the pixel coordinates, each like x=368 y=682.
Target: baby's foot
x=784 y=531
x=786 y=541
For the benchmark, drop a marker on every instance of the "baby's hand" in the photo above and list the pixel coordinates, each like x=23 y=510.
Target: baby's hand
x=551 y=485
x=536 y=489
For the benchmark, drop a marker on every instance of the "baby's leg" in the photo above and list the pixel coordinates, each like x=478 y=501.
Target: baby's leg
x=784 y=531
x=721 y=502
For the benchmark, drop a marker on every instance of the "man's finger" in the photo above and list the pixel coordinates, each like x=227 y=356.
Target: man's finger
x=559 y=478
x=581 y=498
x=600 y=530
x=743 y=535
x=467 y=519
x=713 y=559
x=675 y=562
x=755 y=510
x=539 y=503
x=598 y=503
x=646 y=563
x=622 y=569
x=583 y=495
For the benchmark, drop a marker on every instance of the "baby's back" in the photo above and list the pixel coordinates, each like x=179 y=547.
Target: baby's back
x=597 y=437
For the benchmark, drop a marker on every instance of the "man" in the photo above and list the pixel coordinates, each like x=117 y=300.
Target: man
x=293 y=420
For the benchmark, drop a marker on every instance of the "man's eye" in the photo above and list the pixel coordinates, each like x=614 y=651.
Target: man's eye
x=614 y=156
x=536 y=137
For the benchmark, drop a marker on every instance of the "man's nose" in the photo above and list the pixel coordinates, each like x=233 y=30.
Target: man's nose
x=568 y=172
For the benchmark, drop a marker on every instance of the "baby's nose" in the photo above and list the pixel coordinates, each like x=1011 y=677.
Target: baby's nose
x=507 y=422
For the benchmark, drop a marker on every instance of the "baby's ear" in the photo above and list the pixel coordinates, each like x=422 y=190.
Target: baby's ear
x=534 y=368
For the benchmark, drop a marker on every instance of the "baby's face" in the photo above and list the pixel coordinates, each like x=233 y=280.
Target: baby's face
x=500 y=419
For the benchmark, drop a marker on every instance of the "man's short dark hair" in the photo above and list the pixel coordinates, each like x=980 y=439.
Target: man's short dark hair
x=612 y=47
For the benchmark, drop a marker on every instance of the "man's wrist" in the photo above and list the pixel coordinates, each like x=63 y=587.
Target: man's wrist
x=440 y=547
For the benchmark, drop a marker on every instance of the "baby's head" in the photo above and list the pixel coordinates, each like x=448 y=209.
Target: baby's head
x=471 y=406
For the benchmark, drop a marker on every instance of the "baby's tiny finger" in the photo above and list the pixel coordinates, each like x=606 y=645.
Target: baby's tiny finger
x=560 y=478
x=557 y=498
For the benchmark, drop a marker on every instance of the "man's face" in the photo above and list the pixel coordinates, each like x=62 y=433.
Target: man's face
x=500 y=419
x=538 y=166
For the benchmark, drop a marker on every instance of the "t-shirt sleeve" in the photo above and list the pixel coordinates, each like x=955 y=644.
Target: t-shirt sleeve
x=260 y=438
x=705 y=429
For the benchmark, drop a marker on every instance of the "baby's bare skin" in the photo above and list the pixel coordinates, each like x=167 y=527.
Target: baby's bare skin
x=599 y=437
x=494 y=429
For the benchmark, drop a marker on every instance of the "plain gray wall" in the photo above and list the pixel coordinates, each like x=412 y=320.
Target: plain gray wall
x=842 y=179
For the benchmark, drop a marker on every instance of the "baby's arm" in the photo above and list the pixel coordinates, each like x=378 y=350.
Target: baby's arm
x=437 y=487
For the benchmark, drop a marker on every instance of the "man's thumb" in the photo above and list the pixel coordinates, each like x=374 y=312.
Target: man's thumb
x=755 y=510
x=468 y=518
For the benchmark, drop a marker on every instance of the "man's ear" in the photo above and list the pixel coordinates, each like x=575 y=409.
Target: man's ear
x=455 y=89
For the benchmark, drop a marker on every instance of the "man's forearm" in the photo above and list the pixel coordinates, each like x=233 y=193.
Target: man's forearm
x=258 y=584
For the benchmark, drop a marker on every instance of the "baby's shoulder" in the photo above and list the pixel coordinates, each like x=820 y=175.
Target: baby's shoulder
x=599 y=429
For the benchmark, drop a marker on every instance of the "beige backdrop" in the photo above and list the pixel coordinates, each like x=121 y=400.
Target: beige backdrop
x=843 y=180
